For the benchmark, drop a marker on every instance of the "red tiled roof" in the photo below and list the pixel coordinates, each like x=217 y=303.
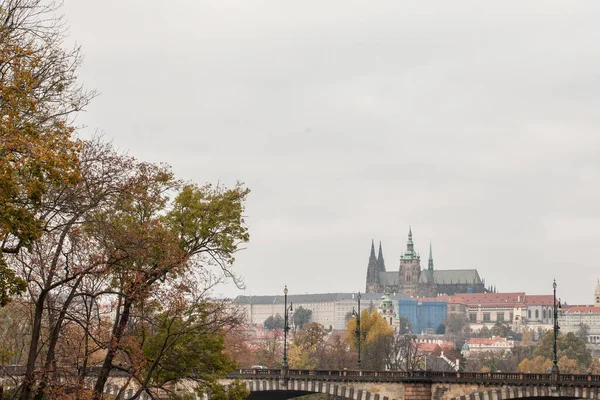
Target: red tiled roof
x=582 y=309
x=539 y=299
x=428 y=347
x=490 y=298
x=487 y=341
x=447 y=345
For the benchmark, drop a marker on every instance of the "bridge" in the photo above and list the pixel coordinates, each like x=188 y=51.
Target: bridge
x=278 y=384
x=275 y=384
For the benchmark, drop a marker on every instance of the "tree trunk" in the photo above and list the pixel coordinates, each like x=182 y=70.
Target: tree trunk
x=112 y=350
x=49 y=366
x=29 y=378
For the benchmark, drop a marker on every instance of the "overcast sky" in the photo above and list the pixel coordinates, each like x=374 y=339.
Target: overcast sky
x=475 y=122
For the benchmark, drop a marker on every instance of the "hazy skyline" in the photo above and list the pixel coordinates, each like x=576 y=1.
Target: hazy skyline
x=476 y=123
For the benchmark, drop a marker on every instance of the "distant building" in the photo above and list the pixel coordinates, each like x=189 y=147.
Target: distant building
x=582 y=318
x=328 y=309
x=411 y=281
x=495 y=344
x=423 y=316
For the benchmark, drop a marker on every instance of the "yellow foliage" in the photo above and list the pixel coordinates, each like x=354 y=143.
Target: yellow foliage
x=539 y=365
x=372 y=326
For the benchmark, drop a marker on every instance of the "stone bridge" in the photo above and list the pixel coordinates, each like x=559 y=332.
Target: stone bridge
x=272 y=384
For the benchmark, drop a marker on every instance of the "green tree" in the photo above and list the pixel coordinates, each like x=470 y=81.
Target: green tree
x=302 y=316
x=236 y=391
x=441 y=329
x=501 y=330
x=568 y=345
x=148 y=239
x=456 y=323
x=583 y=332
x=186 y=342
x=274 y=322
x=404 y=325
x=484 y=332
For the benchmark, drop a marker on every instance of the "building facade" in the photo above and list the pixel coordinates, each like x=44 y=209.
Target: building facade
x=423 y=316
x=328 y=309
x=413 y=281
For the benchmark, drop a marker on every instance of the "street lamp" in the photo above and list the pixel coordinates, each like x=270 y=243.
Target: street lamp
x=286 y=328
x=555 y=307
x=357 y=330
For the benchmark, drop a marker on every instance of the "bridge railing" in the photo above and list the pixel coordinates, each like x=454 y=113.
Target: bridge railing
x=411 y=375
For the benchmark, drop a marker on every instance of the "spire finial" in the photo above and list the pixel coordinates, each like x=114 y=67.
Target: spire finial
x=430 y=265
x=372 y=256
x=410 y=253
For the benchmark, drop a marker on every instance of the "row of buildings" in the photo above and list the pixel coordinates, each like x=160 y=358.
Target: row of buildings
x=426 y=297
x=518 y=310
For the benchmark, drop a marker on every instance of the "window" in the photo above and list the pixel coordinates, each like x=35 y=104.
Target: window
x=544 y=313
x=511 y=316
x=486 y=317
x=529 y=314
x=537 y=314
x=473 y=317
x=500 y=317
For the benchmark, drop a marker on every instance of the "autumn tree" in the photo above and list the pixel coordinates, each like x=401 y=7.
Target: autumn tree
x=404 y=354
x=147 y=239
x=55 y=265
x=568 y=345
x=537 y=365
x=308 y=346
x=376 y=337
x=39 y=96
x=186 y=340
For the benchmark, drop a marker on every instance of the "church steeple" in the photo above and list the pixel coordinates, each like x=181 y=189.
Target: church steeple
x=410 y=253
x=372 y=269
x=430 y=266
x=380 y=262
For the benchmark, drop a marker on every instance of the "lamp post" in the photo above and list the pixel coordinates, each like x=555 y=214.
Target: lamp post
x=555 y=307
x=286 y=328
x=357 y=330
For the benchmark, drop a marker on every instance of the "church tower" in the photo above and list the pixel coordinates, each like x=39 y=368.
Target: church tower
x=597 y=295
x=410 y=268
x=380 y=262
x=372 y=271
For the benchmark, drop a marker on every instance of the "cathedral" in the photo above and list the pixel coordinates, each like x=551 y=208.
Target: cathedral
x=413 y=281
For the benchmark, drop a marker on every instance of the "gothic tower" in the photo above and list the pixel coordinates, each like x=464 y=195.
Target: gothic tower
x=430 y=264
x=372 y=271
x=410 y=268
x=380 y=262
x=597 y=295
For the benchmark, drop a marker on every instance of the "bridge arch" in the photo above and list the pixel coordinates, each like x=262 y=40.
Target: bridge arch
x=532 y=392
x=297 y=387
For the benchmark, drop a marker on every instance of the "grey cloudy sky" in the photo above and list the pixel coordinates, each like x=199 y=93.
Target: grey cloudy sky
x=475 y=122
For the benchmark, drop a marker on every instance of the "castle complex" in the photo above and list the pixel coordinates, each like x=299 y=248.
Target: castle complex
x=412 y=281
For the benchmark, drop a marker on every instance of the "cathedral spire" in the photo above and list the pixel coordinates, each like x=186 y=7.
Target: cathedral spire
x=372 y=270
x=372 y=256
x=430 y=266
x=380 y=262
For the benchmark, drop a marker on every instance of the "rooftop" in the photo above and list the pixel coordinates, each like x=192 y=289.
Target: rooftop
x=315 y=298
